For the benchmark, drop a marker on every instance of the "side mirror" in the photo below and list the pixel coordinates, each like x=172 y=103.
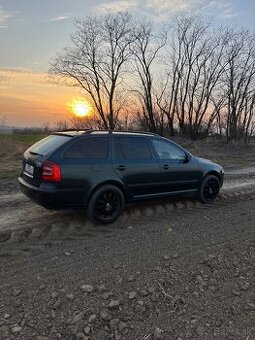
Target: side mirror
x=188 y=157
x=184 y=159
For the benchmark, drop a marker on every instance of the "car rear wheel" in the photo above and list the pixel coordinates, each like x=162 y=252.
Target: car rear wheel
x=209 y=189
x=106 y=204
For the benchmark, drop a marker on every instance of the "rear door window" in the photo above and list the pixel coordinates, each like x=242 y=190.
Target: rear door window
x=131 y=148
x=48 y=144
x=88 y=148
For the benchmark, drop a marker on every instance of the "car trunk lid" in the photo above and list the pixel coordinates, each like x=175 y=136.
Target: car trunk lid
x=37 y=154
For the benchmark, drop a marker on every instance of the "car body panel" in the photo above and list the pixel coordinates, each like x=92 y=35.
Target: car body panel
x=178 y=175
x=140 y=179
x=139 y=176
x=52 y=197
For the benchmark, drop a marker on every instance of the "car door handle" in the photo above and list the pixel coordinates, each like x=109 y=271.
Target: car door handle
x=121 y=167
x=165 y=166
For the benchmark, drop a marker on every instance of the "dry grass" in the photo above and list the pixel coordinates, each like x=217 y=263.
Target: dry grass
x=12 y=148
x=230 y=155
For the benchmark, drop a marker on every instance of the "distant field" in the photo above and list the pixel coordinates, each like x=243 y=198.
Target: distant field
x=25 y=138
x=230 y=155
x=12 y=148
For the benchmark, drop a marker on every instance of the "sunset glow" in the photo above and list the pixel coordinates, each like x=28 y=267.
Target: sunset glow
x=80 y=108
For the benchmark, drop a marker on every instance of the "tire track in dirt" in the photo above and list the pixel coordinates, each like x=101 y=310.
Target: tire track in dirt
x=38 y=225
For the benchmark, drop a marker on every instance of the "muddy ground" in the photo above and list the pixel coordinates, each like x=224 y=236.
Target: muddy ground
x=170 y=270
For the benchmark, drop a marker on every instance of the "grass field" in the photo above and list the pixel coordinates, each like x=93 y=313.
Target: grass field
x=12 y=148
x=230 y=155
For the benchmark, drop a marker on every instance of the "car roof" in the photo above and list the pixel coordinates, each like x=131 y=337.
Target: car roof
x=73 y=133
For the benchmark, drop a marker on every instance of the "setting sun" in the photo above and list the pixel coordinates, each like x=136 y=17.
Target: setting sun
x=81 y=108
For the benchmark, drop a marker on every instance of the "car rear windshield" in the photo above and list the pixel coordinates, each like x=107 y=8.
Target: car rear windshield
x=48 y=144
x=89 y=148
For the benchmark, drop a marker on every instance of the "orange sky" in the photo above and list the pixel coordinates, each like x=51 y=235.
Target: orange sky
x=30 y=99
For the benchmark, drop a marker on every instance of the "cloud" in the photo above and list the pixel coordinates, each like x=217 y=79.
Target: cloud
x=228 y=13
x=58 y=18
x=171 y=6
x=158 y=9
x=162 y=9
x=224 y=10
x=119 y=5
x=5 y=16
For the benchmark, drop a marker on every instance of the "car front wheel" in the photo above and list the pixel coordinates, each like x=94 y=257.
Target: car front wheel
x=209 y=189
x=106 y=204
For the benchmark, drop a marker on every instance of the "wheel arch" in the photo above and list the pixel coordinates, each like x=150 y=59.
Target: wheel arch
x=200 y=194
x=112 y=182
x=214 y=173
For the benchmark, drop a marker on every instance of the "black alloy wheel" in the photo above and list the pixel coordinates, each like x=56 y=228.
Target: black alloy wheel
x=106 y=204
x=209 y=189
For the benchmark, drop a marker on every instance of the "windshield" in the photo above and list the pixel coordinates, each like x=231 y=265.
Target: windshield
x=48 y=144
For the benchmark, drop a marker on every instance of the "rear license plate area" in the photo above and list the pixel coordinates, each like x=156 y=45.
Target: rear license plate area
x=29 y=170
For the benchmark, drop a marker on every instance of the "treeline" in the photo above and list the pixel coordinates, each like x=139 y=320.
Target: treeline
x=190 y=78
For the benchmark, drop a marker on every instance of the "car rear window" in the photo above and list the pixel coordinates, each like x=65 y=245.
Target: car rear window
x=131 y=148
x=88 y=148
x=48 y=144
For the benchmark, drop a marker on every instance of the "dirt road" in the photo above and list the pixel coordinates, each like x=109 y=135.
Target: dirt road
x=169 y=270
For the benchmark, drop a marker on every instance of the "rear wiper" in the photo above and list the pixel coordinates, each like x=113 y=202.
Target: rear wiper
x=35 y=153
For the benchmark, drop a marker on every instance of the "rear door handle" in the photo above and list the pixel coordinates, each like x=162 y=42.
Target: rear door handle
x=165 y=166
x=121 y=167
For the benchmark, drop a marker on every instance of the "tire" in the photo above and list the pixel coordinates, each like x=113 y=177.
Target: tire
x=209 y=189
x=106 y=204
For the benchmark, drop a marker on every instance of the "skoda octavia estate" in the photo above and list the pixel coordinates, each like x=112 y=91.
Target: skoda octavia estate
x=104 y=170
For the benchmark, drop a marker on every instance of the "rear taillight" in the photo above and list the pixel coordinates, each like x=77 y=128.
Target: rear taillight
x=51 y=172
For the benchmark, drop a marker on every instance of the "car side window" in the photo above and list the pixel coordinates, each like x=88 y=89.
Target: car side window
x=168 y=151
x=131 y=148
x=88 y=148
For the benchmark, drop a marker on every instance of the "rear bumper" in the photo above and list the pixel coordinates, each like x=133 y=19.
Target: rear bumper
x=53 y=198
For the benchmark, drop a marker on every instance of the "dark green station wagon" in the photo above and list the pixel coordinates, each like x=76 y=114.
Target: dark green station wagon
x=104 y=170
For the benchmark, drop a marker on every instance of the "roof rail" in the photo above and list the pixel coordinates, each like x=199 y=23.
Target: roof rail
x=78 y=130
x=125 y=131
x=110 y=131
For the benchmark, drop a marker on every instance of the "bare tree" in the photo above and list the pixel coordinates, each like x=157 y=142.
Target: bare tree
x=207 y=82
x=164 y=100
x=89 y=122
x=168 y=92
x=62 y=125
x=145 y=48
x=249 y=117
x=95 y=60
x=195 y=69
x=3 y=120
x=240 y=85
x=46 y=127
